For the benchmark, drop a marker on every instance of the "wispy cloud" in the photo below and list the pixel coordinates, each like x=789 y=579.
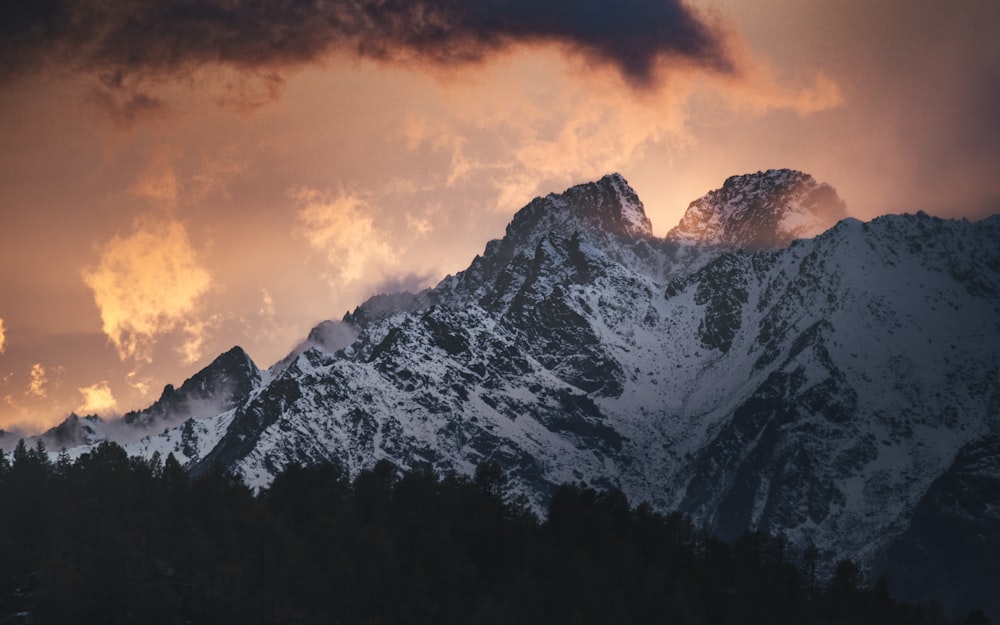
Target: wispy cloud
x=3 y=337
x=39 y=380
x=341 y=226
x=97 y=399
x=538 y=121
x=139 y=382
x=149 y=283
x=267 y=309
x=159 y=183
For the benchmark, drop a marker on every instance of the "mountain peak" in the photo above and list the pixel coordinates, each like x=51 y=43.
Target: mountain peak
x=236 y=359
x=224 y=383
x=630 y=217
x=765 y=210
x=606 y=213
x=609 y=205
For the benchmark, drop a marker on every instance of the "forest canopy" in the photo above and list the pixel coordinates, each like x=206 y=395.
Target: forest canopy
x=113 y=539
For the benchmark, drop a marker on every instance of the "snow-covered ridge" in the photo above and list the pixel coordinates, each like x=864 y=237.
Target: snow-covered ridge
x=227 y=382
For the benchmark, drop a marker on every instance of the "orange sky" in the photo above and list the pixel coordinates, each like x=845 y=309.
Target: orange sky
x=154 y=216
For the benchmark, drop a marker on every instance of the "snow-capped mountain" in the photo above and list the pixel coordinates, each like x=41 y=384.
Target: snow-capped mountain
x=761 y=211
x=833 y=389
x=221 y=386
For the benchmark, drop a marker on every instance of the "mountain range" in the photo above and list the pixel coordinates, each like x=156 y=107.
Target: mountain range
x=769 y=365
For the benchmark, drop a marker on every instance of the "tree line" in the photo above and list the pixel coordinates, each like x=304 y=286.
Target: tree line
x=109 y=538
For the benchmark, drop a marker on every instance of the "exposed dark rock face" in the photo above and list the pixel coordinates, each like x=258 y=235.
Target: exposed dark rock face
x=952 y=546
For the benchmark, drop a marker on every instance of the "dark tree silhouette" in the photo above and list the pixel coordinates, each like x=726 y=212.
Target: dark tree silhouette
x=112 y=539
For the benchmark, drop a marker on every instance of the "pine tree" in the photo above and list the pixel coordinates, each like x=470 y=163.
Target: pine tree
x=63 y=462
x=39 y=454
x=20 y=452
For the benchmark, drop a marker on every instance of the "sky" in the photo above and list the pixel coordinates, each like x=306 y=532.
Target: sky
x=177 y=178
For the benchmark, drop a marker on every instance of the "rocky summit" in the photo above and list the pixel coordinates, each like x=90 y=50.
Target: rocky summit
x=761 y=211
x=768 y=365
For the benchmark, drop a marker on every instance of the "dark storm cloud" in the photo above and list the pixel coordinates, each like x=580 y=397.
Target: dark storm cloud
x=157 y=37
